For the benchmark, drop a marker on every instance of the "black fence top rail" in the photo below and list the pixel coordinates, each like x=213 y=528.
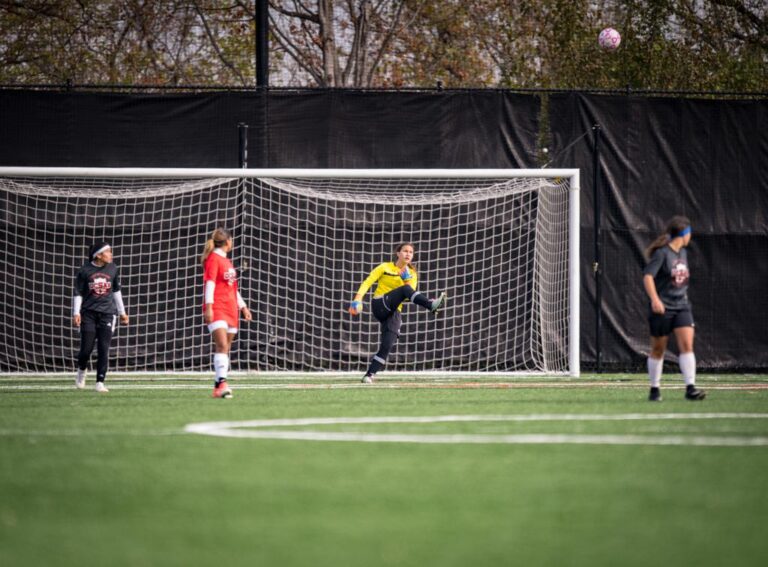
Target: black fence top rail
x=122 y=88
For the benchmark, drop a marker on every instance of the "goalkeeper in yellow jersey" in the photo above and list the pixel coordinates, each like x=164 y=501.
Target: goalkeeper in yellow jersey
x=395 y=282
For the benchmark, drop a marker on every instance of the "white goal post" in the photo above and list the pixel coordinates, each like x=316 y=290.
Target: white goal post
x=503 y=244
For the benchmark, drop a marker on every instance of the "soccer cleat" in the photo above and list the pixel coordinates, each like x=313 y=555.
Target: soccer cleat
x=367 y=379
x=439 y=303
x=691 y=393
x=655 y=395
x=80 y=379
x=101 y=388
x=222 y=390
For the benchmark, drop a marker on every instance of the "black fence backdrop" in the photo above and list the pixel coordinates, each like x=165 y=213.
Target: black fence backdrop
x=314 y=129
x=707 y=159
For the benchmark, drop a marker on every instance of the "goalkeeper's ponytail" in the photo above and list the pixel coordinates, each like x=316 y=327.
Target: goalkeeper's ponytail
x=218 y=238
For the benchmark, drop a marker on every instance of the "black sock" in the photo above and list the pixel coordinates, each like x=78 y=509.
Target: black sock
x=374 y=367
x=422 y=300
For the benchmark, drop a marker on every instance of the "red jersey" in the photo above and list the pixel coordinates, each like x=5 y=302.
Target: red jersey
x=219 y=269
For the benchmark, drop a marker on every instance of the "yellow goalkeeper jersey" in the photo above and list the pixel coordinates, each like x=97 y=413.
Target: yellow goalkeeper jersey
x=386 y=276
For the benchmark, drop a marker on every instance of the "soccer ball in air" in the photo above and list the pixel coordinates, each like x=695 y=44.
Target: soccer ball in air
x=609 y=39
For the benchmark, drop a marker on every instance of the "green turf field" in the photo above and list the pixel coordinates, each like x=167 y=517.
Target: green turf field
x=530 y=472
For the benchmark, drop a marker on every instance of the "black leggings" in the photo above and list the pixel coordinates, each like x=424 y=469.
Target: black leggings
x=95 y=326
x=385 y=309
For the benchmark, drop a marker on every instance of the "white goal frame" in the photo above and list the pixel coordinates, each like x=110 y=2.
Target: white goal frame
x=572 y=175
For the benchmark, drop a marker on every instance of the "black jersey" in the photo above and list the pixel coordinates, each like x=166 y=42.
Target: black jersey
x=670 y=274
x=96 y=284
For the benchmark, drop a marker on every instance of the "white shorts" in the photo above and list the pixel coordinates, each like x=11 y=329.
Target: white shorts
x=222 y=325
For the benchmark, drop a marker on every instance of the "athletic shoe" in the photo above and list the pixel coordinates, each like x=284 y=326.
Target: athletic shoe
x=439 y=303
x=691 y=393
x=101 y=388
x=80 y=379
x=655 y=395
x=367 y=379
x=222 y=390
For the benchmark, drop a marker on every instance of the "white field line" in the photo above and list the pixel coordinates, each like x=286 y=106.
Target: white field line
x=308 y=380
x=539 y=439
x=431 y=384
x=308 y=376
x=394 y=376
x=254 y=429
x=63 y=432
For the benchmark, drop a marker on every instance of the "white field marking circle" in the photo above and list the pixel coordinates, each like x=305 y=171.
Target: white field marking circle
x=256 y=429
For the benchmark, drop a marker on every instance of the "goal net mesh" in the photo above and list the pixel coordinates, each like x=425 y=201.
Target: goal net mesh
x=302 y=246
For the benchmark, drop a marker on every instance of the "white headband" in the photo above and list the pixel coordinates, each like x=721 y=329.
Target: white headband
x=100 y=250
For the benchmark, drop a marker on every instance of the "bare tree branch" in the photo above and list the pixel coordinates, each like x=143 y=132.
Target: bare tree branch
x=760 y=23
x=215 y=44
x=357 y=53
x=302 y=15
x=296 y=53
x=393 y=30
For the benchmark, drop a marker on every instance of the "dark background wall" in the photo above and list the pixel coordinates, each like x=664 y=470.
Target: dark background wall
x=706 y=159
x=286 y=129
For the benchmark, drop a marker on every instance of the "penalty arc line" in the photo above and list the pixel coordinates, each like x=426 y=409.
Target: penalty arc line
x=255 y=430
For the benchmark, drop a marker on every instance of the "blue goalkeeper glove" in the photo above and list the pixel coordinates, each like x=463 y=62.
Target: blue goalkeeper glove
x=406 y=275
x=355 y=307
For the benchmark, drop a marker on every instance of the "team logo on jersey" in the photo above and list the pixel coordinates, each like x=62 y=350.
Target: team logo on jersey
x=679 y=273
x=230 y=276
x=100 y=284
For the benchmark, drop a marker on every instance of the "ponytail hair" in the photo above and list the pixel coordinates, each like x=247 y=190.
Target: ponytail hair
x=400 y=247
x=675 y=226
x=218 y=238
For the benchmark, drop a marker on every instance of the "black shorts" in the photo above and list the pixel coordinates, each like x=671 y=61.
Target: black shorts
x=663 y=325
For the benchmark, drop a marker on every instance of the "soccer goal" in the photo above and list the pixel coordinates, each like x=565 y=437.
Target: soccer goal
x=503 y=244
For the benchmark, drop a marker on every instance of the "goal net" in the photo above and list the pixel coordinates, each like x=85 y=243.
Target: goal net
x=503 y=244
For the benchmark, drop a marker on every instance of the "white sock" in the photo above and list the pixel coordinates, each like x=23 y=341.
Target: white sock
x=655 y=366
x=221 y=365
x=687 y=364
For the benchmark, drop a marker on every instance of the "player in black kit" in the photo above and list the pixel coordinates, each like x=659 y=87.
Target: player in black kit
x=95 y=307
x=665 y=279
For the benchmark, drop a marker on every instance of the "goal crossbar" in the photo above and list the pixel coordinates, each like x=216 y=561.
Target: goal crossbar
x=158 y=172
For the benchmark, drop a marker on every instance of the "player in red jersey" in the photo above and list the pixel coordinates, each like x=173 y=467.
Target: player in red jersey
x=223 y=304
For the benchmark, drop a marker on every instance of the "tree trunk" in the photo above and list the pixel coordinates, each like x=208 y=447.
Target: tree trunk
x=328 y=39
